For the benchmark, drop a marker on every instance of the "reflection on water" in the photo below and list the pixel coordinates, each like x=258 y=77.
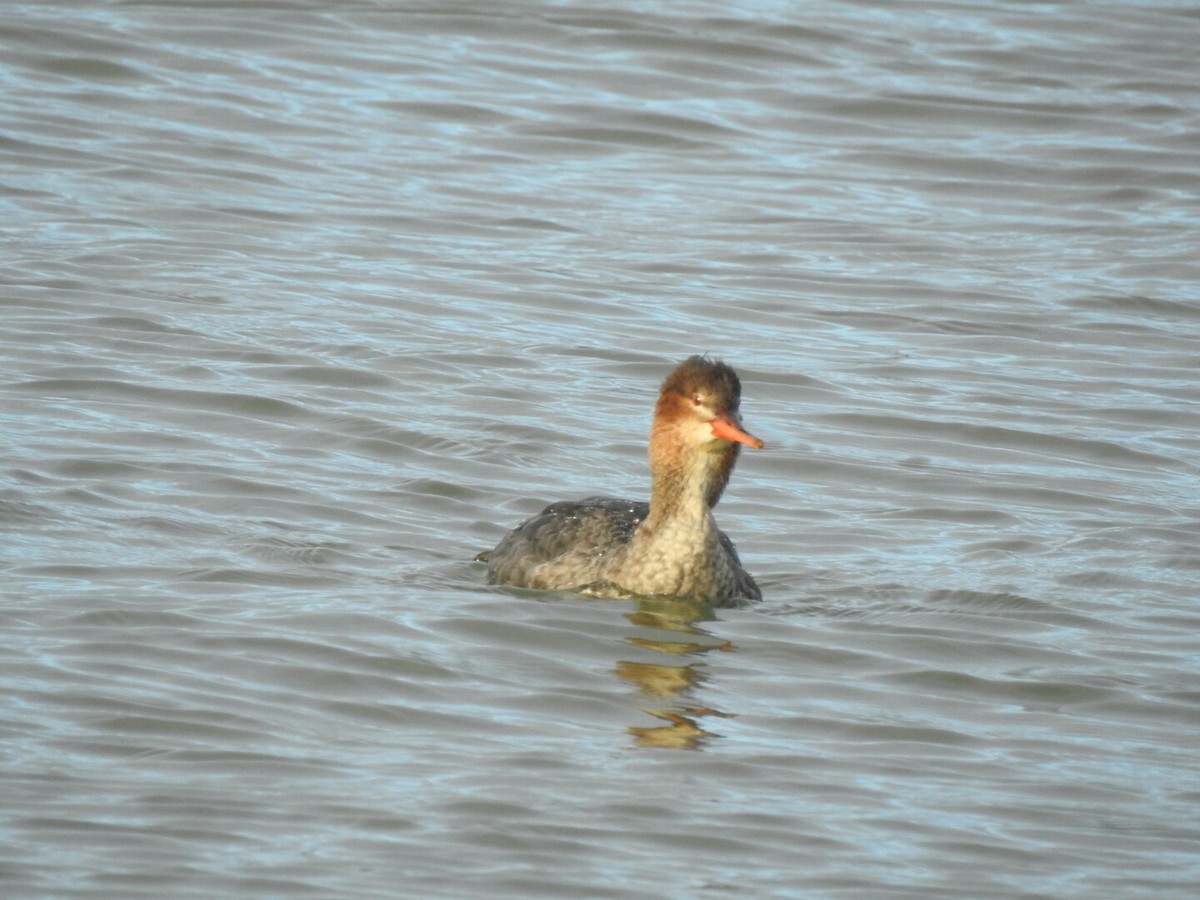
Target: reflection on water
x=672 y=682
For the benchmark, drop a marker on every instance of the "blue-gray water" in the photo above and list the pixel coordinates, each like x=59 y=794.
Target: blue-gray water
x=304 y=304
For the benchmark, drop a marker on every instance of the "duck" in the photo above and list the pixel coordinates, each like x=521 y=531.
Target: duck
x=669 y=547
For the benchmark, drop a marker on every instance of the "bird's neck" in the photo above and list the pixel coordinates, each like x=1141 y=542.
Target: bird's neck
x=687 y=481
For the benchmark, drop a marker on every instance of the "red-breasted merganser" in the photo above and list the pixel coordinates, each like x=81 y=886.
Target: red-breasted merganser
x=669 y=547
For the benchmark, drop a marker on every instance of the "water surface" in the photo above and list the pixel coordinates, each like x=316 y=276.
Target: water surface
x=306 y=304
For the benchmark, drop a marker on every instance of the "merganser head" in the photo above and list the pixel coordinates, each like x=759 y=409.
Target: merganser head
x=701 y=398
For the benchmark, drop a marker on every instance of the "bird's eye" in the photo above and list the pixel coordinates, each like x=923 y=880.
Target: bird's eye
x=697 y=400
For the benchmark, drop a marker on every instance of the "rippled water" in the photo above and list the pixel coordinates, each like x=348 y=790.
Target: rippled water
x=305 y=304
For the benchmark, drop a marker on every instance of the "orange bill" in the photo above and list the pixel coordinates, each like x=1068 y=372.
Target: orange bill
x=727 y=428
